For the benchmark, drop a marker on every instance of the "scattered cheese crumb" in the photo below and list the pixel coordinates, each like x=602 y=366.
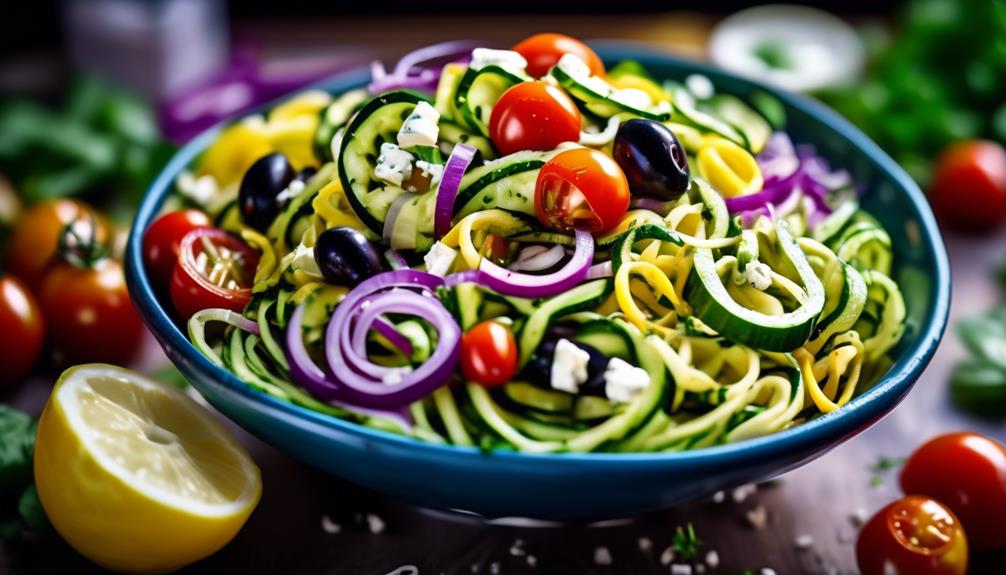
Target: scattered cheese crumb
x=757 y=517
x=440 y=259
x=713 y=559
x=329 y=526
x=858 y=517
x=767 y=571
x=623 y=381
x=602 y=556
x=517 y=549
x=375 y=524
x=700 y=568
x=494 y=567
x=667 y=556
x=681 y=569
x=645 y=544
x=739 y=494
x=804 y=542
x=719 y=496
x=532 y=561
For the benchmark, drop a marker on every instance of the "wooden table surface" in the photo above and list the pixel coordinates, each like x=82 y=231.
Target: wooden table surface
x=368 y=534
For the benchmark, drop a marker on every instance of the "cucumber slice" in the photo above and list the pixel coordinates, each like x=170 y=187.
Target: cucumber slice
x=605 y=337
x=848 y=304
x=452 y=133
x=478 y=91
x=591 y=408
x=602 y=99
x=332 y=118
x=377 y=122
x=751 y=125
x=447 y=88
x=686 y=107
x=867 y=247
x=537 y=399
x=506 y=183
x=831 y=227
x=584 y=296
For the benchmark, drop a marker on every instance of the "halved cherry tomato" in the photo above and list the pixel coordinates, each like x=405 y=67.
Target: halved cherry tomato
x=88 y=313
x=969 y=186
x=967 y=473
x=542 y=51
x=489 y=354
x=21 y=330
x=496 y=248
x=36 y=235
x=914 y=535
x=581 y=189
x=533 y=116
x=214 y=270
x=161 y=240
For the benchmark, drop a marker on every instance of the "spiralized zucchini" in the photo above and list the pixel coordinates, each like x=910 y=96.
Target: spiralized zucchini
x=744 y=326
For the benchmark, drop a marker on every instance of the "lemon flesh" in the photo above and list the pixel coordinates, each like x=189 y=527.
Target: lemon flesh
x=137 y=476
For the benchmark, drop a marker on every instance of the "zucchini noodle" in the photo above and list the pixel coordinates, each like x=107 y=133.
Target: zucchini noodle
x=745 y=301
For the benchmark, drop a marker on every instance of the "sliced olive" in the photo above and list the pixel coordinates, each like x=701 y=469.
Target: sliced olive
x=260 y=188
x=346 y=257
x=539 y=370
x=654 y=161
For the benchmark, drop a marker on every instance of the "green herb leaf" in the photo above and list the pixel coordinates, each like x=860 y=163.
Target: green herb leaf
x=979 y=387
x=985 y=337
x=17 y=442
x=685 y=542
x=887 y=463
x=30 y=509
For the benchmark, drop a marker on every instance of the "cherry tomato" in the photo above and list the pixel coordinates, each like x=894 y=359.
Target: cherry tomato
x=967 y=473
x=88 y=313
x=581 y=189
x=35 y=238
x=914 y=535
x=489 y=354
x=542 y=51
x=160 y=241
x=533 y=116
x=214 y=270
x=21 y=330
x=969 y=186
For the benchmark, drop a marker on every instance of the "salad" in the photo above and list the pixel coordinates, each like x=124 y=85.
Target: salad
x=523 y=249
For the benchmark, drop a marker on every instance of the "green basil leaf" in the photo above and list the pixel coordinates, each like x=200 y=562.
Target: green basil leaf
x=985 y=337
x=17 y=442
x=979 y=387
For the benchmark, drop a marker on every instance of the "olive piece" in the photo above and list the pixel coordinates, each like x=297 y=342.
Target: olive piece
x=346 y=257
x=654 y=161
x=538 y=371
x=262 y=183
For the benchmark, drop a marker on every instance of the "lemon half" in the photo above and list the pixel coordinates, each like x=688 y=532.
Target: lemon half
x=137 y=476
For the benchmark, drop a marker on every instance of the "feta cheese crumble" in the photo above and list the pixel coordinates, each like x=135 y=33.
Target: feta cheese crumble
x=420 y=128
x=632 y=97
x=394 y=164
x=200 y=190
x=569 y=367
x=303 y=260
x=623 y=381
x=434 y=171
x=506 y=59
x=602 y=556
x=757 y=274
x=577 y=69
x=440 y=259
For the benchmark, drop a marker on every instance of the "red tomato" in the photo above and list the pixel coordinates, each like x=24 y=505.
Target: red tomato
x=489 y=354
x=967 y=473
x=542 y=51
x=969 y=187
x=496 y=248
x=914 y=535
x=88 y=313
x=533 y=116
x=581 y=189
x=21 y=330
x=35 y=238
x=214 y=270
x=160 y=241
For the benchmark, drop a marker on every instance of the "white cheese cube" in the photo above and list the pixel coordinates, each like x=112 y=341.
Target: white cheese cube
x=623 y=381
x=440 y=259
x=394 y=164
x=420 y=128
x=569 y=367
x=633 y=97
x=506 y=59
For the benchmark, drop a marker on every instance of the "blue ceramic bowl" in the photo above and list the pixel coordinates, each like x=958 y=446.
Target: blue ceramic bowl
x=575 y=486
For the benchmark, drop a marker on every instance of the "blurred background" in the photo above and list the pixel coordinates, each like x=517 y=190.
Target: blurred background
x=95 y=96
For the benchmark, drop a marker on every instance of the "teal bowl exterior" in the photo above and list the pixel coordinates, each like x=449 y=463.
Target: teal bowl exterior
x=588 y=486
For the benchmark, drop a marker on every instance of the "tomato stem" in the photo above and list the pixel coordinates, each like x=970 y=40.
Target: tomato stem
x=81 y=248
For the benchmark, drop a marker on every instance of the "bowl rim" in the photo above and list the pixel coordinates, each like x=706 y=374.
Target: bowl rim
x=852 y=419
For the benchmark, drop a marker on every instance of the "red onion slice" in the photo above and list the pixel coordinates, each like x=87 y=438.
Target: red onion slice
x=461 y=157
x=537 y=258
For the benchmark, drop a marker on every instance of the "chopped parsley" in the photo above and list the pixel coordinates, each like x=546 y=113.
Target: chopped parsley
x=685 y=542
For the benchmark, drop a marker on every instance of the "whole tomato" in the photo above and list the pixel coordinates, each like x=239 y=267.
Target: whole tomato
x=969 y=187
x=36 y=236
x=914 y=535
x=88 y=313
x=21 y=330
x=967 y=473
